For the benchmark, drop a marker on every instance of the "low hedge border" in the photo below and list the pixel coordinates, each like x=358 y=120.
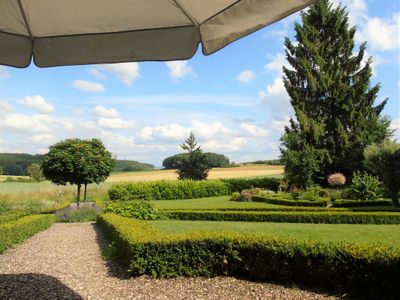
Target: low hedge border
x=15 y=232
x=365 y=270
x=287 y=216
x=359 y=203
x=287 y=202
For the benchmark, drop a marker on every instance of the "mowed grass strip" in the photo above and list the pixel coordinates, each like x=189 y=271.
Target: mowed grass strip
x=385 y=234
x=208 y=203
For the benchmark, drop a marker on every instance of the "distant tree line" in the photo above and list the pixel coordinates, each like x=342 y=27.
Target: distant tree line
x=17 y=164
x=270 y=162
x=214 y=160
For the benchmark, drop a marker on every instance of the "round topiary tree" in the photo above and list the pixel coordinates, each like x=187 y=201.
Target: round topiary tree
x=336 y=180
x=79 y=162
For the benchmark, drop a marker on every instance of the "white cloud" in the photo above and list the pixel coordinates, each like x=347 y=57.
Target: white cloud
x=357 y=10
x=5 y=106
x=382 y=34
x=42 y=138
x=233 y=145
x=254 y=130
x=3 y=72
x=88 y=86
x=179 y=69
x=203 y=130
x=276 y=100
x=245 y=76
x=395 y=125
x=33 y=123
x=126 y=72
x=276 y=64
x=97 y=73
x=167 y=132
x=113 y=123
x=101 y=111
x=38 y=103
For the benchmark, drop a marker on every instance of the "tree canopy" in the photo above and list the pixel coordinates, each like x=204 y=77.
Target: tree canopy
x=194 y=165
x=79 y=162
x=330 y=91
x=214 y=160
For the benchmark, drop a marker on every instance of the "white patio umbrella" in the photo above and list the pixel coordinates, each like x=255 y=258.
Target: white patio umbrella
x=72 y=32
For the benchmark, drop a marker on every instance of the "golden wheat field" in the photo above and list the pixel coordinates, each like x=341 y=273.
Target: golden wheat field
x=236 y=172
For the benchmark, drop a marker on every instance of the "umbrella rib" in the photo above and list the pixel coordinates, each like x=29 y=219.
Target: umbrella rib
x=221 y=11
x=25 y=19
x=186 y=12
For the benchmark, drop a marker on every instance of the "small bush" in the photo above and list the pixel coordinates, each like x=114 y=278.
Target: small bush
x=364 y=270
x=336 y=180
x=364 y=187
x=235 y=196
x=312 y=193
x=139 y=209
x=240 y=184
x=15 y=232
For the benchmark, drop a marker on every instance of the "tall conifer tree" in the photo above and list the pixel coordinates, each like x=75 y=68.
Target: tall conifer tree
x=333 y=100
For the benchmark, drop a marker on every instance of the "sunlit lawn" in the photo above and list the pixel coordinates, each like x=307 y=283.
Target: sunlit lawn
x=387 y=234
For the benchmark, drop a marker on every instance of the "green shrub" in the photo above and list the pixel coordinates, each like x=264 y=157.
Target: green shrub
x=368 y=271
x=235 y=196
x=327 y=217
x=285 y=199
x=358 y=203
x=15 y=232
x=364 y=187
x=139 y=209
x=11 y=216
x=240 y=184
x=167 y=190
x=312 y=193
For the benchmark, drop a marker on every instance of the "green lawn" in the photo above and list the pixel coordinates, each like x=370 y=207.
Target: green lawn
x=387 y=234
x=207 y=203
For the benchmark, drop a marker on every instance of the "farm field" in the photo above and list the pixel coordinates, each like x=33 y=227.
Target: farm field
x=46 y=186
x=385 y=234
x=236 y=172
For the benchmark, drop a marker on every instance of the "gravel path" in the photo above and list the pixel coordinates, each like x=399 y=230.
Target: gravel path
x=65 y=262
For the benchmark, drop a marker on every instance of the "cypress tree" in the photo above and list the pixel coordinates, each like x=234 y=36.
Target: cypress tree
x=332 y=97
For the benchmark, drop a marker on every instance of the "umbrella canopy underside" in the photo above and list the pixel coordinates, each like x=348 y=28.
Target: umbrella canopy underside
x=72 y=32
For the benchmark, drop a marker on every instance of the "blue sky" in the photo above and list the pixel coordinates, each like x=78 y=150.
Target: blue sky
x=233 y=100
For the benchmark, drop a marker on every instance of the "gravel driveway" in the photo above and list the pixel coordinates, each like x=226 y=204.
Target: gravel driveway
x=65 y=262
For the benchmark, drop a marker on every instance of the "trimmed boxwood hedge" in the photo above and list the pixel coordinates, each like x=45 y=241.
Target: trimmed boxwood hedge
x=186 y=189
x=327 y=217
x=282 y=201
x=360 y=203
x=371 y=271
x=16 y=231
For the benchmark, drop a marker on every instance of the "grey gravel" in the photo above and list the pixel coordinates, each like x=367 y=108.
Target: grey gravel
x=65 y=262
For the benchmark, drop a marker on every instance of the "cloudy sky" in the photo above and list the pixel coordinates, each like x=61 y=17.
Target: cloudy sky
x=233 y=101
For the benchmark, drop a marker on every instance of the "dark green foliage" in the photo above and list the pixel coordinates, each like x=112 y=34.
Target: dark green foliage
x=214 y=160
x=139 y=209
x=368 y=271
x=326 y=217
x=240 y=184
x=16 y=164
x=384 y=160
x=167 y=190
x=186 y=189
x=194 y=165
x=332 y=98
x=364 y=187
x=282 y=200
x=16 y=231
x=358 y=203
x=79 y=162
x=131 y=165
x=269 y=162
